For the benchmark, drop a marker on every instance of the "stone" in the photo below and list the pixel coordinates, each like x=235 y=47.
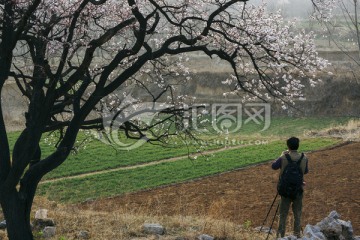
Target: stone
x=83 y=235
x=205 y=237
x=265 y=230
x=41 y=214
x=330 y=227
x=39 y=224
x=347 y=229
x=49 y=232
x=334 y=214
x=41 y=220
x=154 y=228
x=313 y=232
x=3 y=225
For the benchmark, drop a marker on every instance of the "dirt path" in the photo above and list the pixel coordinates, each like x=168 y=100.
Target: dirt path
x=140 y=165
x=246 y=194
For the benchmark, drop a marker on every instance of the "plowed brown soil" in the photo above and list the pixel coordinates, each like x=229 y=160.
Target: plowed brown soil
x=333 y=183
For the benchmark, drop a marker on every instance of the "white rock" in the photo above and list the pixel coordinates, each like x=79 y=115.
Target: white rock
x=3 y=224
x=313 y=232
x=205 y=237
x=334 y=214
x=41 y=214
x=265 y=229
x=347 y=229
x=330 y=227
x=154 y=228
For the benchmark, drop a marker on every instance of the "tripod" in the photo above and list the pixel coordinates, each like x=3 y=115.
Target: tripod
x=267 y=215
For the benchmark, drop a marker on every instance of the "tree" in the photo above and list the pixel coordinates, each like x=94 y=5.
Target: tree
x=344 y=27
x=73 y=57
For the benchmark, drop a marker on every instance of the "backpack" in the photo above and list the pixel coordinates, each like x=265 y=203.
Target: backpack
x=291 y=180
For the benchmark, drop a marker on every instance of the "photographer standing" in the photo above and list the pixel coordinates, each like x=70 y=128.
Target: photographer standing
x=293 y=166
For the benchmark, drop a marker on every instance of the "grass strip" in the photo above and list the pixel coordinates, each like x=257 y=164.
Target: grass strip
x=124 y=181
x=98 y=156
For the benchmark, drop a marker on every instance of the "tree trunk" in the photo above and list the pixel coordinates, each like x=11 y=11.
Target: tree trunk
x=17 y=202
x=17 y=216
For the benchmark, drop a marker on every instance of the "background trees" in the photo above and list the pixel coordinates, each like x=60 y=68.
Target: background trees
x=71 y=59
x=343 y=29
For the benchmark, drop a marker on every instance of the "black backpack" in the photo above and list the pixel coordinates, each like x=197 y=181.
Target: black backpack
x=291 y=180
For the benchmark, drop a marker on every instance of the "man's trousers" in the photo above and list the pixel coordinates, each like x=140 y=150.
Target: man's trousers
x=284 y=210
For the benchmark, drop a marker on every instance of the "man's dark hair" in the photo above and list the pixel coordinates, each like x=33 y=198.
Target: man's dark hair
x=293 y=143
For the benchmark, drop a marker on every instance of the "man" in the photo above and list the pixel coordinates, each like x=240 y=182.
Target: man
x=281 y=163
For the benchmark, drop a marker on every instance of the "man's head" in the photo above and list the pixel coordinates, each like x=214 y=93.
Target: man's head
x=293 y=143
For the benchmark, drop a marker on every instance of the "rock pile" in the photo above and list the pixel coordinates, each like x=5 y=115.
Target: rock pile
x=330 y=228
x=43 y=223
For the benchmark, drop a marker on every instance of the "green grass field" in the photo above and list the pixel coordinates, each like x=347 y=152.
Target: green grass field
x=97 y=156
x=123 y=181
x=252 y=146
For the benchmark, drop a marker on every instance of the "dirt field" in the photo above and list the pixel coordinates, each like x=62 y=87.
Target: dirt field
x=333 y=183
